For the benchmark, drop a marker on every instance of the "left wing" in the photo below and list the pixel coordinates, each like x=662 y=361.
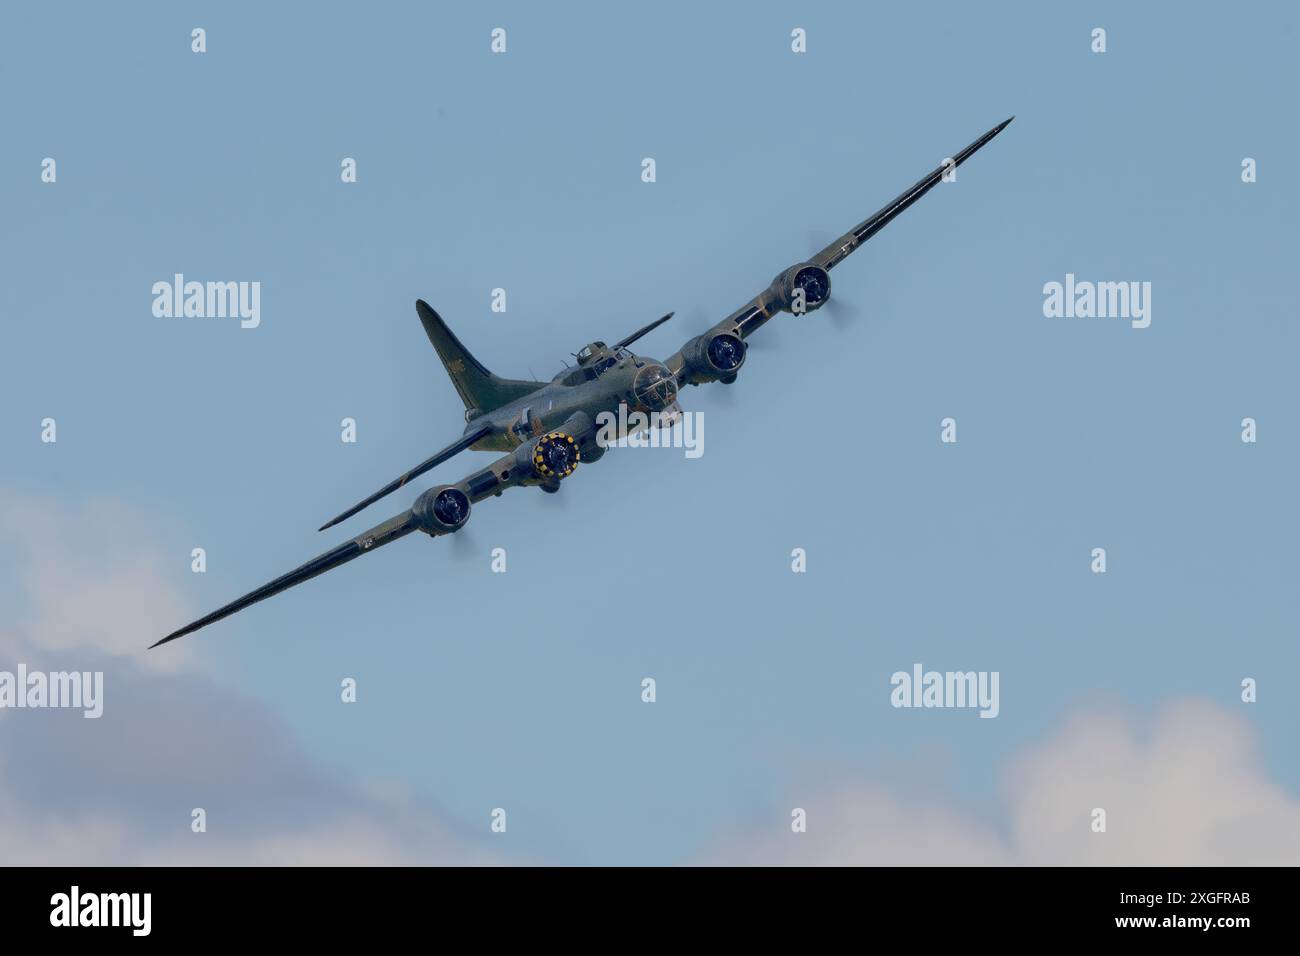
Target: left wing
x=805 y=286
x=844 y=246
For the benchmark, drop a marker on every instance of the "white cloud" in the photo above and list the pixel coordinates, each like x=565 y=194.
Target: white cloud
x=1184 y=788
x=119 y=790
x=92 y=578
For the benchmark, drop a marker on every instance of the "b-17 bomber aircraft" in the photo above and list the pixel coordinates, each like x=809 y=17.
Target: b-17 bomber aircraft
x=547 y=428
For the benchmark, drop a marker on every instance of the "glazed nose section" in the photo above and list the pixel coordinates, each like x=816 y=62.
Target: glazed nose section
x=654 y=388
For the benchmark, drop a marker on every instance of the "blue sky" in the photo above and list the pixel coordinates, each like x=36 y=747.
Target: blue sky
x=522 y=171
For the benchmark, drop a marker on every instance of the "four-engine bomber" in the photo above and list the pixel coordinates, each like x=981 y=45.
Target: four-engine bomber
x=548 y=428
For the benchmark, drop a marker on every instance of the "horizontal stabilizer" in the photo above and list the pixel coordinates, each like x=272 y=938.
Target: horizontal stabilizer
x=455 y=448
x=624 y=343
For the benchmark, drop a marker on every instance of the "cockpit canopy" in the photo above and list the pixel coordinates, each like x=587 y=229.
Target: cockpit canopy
x=597 y=358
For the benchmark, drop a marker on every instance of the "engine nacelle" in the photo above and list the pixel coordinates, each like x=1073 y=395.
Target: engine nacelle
x=801 y=288
x=441 y=510
x=711 y=357
x=552 y=457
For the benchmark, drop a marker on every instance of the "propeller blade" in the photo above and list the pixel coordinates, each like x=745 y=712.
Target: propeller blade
x=642 y=331
x=390 y=530
x=454 y=448
x=840 y=249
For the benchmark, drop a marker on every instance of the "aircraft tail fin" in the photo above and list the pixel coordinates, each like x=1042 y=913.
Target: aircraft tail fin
x=478 y=388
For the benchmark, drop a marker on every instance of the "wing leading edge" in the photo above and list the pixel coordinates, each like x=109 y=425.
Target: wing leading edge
x=545 y=460
x=392 y=529
x=843 y=247
x=778 y=296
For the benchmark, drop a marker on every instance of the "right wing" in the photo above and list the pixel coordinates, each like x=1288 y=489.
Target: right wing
x=546 y=461
x=390 y=530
